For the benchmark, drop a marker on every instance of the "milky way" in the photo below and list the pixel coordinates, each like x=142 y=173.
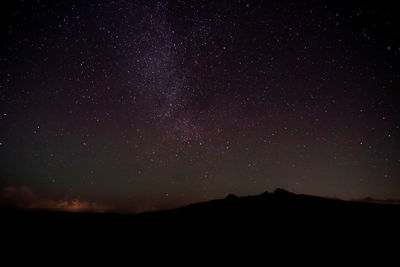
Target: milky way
x=143 y=105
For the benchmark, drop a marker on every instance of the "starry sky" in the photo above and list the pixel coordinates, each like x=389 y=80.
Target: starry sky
x=147 y=105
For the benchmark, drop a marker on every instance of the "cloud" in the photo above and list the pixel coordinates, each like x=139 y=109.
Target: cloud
x=24 y=197
x=20 y=197
x=381 y=201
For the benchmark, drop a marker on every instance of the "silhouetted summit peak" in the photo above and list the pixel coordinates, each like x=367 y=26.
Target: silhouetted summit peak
x=231 y=196
x=282 y=192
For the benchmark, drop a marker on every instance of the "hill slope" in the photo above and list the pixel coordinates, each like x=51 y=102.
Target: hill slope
x=276 y=214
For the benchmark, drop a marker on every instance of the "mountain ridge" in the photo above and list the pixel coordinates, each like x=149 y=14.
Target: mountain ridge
x=276 y=215
x=278 y=195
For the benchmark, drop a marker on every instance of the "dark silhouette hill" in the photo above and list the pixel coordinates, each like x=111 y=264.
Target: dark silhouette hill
x=276 y=217
x=279 y=208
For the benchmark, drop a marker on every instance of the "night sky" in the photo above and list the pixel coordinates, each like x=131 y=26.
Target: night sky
x=146 y=105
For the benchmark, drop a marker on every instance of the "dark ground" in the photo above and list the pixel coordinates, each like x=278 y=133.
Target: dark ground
x=270 y=216
x=274 y=229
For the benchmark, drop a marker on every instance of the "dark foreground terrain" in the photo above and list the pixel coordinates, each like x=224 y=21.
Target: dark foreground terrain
x=269 y=218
